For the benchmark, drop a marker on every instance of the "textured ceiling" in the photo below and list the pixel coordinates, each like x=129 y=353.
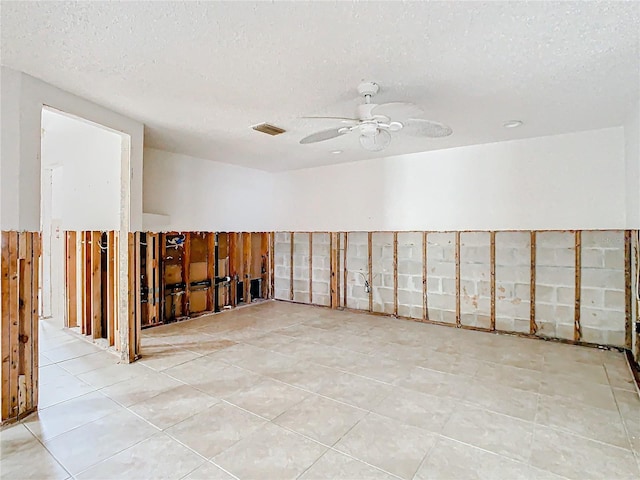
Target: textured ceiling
x=199 y=74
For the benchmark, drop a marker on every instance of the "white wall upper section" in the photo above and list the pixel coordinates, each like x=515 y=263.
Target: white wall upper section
x=198 y=194
x=571 y=181
x=632 y=159
x=22 y=100
x=86 y=190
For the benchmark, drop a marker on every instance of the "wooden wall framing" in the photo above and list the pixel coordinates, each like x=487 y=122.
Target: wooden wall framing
x=19 y=328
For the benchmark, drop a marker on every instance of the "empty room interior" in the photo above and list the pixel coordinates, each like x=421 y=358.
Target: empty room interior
x=320 y=240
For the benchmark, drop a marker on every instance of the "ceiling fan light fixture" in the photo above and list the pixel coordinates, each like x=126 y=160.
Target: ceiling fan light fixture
x=377 y=142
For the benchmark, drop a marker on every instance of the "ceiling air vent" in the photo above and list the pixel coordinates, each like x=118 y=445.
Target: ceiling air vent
x=268 y=129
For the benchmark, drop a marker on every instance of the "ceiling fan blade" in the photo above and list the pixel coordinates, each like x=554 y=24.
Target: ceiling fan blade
x=325 y=135
x=419 y=127
x=398 y=111
x=333 y=118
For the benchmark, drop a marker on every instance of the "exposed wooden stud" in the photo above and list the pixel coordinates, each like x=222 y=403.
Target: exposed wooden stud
x=425 y=310
x=395 y=274
x=533 y=328
x=96 y=282
x=246 y=262
x=272 y=269
x=370 y=268
x=345 y=271
x=111 y=288
x=628 y=328
x=493 y=279
x=291 y=266
x=5 y=332
x=25 y=385
x=334 y=258
x=458 y=317
x=71 y=282
x=577 y=331
x=310 y=267
x=35 y=319
x=186 y=261
x=14 y=325
x=87 y=279
x=211 y=276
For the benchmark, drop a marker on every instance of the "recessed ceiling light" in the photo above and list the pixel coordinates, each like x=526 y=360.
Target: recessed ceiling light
x=512 y=124
x=336 y=152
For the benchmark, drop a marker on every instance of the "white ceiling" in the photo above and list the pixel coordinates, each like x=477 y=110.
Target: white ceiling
x=199 y=74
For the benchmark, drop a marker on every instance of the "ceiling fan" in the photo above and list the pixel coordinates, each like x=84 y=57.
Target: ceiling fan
x=375 y=123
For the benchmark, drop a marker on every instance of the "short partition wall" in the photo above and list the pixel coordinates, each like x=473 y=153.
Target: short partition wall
x=574 y=286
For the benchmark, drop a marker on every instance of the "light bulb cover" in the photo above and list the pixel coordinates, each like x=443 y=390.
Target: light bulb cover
x=377 y=142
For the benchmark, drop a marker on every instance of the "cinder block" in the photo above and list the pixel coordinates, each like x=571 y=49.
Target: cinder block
x=555 y=276
x=449 y=286
x=513 y=239
x=592 y=297
x=441 y=302
x=513 y=274
x=593 y=335
x=282 y=237
x=614 y=300
x=592 y=258
x=566 y=295
x=504 y=290
x=600 y=278
x=434 y=285
x=614 y=259
x=320 y=288
x=603 y=239
x=565 y=331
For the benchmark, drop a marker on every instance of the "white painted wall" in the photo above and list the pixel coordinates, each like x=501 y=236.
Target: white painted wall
x=198 y=194
x=632 y=159
x=22 y=99
x=572 y=181
x=86 y=187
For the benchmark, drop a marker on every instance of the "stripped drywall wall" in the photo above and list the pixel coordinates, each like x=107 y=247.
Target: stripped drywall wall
x=513 y=281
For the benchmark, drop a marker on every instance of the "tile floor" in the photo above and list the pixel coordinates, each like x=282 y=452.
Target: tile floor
x=278 y=391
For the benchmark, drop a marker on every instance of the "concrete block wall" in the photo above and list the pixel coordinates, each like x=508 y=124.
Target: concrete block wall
x=475 y=279
x=602 y=278
x=602 y=292
x=513 y=281
x=441 y=277
x=301 y=267
x=357 y=270
x=555 y=284
x=282 y=266
x=321 y=266
x=410 y=272
x=382 y=271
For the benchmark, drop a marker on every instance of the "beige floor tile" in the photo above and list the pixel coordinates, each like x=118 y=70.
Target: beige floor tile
x=158 y=457
x=306 y=375
x=579 y=458
x=449 y=459
x=379 y=368
x=75 y=349
x=227 y=381
x=591 y=394
x=173 y=406
x=22 y=456
x=500 y=434
x=321 y=419
x=501 y=399
x=267 y=362
x=335 y=465
x=514 y=377
x=141 y=388
x=77 y=449
x=435 y=383
x=271 y=341
x=356 y=391
x=267 y=398
x=62 y=417
x=418 y=409
x=77 y=366
x=62 y=388
x=595 y=423
x=103 y=377
x=162 y=357
x=538 y=474
x=209 y=471
x=577 y=371
x=270 y=453
x=394 y=447
x=200 y=343
x=215 y=429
